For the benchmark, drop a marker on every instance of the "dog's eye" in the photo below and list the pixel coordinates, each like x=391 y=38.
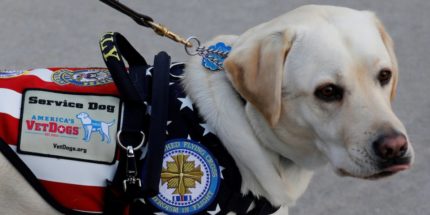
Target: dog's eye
x=384 y=77
x=329 y=93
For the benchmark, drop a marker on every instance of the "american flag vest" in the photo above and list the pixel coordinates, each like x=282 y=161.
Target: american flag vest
x=58 y=127
x=40 y=122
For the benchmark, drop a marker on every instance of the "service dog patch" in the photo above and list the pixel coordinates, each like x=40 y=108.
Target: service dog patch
x=72 y=126
x=189 y=180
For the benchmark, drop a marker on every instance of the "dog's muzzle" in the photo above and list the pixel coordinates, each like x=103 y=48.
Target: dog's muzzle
x=391 y=150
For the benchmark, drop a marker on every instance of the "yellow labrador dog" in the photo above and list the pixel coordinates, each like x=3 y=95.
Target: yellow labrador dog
x=318 y=82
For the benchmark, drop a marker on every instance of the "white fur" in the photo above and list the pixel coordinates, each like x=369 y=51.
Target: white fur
x=278 y=162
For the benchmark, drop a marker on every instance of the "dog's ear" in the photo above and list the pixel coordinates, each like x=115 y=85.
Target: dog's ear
x=256 y=66
x=389 y=45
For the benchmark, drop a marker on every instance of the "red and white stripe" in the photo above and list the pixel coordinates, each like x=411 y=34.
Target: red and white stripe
x=76 y=185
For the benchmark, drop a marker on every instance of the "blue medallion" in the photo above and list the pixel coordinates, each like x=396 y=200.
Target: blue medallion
x=190 y=178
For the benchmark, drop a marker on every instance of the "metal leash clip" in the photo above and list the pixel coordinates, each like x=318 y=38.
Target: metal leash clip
x=213 y=56
x=131 y=174
x=131 y=170
x=146 y=21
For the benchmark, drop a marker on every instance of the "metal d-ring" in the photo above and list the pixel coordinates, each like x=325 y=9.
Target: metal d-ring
x=124 y=147
x=193 y=41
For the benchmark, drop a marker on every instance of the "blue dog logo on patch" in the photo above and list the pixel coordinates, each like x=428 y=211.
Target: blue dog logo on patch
x=91 y=125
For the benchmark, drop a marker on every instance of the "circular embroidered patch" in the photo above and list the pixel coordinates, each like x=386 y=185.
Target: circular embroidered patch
x=189 y=179
x=11 y=73
x=84 y=77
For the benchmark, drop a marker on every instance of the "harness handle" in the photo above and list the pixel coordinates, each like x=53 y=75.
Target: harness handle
x=139 y=94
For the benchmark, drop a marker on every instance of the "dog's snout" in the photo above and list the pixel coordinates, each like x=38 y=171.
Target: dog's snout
x=391 y=146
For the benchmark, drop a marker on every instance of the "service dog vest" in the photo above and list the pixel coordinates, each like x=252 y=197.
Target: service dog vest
x=61 y=122
x=59 y=125
x=198 y=175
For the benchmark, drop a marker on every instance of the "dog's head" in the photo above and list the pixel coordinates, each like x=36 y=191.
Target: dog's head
x=328 y=74
x=82 y=115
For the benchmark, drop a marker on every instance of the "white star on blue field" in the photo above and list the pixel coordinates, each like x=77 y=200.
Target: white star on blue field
x=186 y=102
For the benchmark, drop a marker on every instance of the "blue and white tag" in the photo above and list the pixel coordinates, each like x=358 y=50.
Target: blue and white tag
x=214 y=56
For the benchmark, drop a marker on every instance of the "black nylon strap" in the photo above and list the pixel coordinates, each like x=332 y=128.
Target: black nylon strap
x=157 y=138
x=114 y=47
x=131 y=87
x=139 y=18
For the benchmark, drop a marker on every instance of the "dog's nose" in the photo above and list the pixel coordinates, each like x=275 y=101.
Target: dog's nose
x=391 y=146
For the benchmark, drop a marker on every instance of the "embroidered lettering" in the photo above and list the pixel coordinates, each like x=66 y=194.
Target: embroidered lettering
x=104 y=40
x=97 y=106
x=65 y=103
x=68 y=148
x=111 y=53
x=30 y=124
x=51 y=127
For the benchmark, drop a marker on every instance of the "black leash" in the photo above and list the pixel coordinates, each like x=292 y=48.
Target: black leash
x=147 y=21
x=212 y=56
x=140 y=19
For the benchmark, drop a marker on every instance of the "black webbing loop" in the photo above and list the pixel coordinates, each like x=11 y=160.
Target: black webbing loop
x=114 y=46
x=119 y=194
x=157 y=136
x=131 y=86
